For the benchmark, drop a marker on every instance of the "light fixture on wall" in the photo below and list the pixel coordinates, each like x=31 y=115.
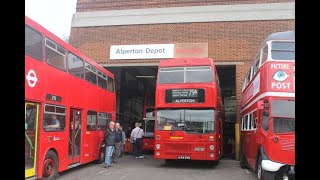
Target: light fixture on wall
x=144 y=76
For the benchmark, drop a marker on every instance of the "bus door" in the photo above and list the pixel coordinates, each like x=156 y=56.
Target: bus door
x=31 y=134
x=74 y=136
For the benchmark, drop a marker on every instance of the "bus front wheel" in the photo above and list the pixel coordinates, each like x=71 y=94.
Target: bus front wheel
x=50 y=166
x=263 y=174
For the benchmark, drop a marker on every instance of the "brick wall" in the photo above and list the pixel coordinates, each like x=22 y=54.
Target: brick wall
x=227 y=41
x=103 y=5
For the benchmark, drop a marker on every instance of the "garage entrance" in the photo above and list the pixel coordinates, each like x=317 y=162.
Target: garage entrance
x=227 y=78
x=135 y=88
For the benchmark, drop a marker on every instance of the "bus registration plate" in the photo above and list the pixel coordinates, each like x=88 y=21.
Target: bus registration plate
x=184 y=157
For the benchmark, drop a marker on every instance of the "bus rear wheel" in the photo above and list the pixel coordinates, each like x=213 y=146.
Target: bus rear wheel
x=50 y=166
x=102 y=154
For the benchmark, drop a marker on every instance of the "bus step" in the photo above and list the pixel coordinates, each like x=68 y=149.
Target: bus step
x=73 y=165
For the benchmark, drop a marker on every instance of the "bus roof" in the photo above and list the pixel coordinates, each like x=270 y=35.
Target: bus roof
x=286 y=35
x=186 y=62
x=67 y=46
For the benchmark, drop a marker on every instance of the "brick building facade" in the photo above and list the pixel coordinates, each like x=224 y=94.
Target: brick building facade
x=233 y=29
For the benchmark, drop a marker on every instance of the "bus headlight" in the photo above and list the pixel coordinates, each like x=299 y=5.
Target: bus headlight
x=211 y=155
x=211 y=147
x=158 y=146
x=158 y=153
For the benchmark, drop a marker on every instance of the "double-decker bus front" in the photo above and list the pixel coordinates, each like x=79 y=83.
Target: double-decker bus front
x=188 y=111
x=268 y=111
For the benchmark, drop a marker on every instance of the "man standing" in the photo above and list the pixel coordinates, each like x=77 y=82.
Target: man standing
x=137 y=134
x=123 y=141
x=109 y=138
x=118 y=142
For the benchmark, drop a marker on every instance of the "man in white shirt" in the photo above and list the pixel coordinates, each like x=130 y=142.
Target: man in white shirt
x=137 y=134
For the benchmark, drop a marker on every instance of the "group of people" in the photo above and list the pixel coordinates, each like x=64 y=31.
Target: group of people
x=115 y=140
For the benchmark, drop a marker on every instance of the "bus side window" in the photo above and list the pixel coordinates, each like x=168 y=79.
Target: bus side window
x=90 y=73
x=265 y=123
x=75 y=65
x=91 y=120
x=33 y=43
x=102 y=121
x=264 y=54
x=110 y=84
x=54 y=118
x=55 y=55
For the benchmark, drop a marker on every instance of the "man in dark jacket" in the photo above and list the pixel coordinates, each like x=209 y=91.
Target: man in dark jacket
x=109 y=139
x=118 y=142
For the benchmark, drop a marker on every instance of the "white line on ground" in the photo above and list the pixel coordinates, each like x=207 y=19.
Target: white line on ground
x=248 y=172
x=102 y=171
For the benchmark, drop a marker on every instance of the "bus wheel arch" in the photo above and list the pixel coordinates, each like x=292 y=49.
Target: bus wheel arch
x=102 y=153
x=50 y=165
x=261 y=173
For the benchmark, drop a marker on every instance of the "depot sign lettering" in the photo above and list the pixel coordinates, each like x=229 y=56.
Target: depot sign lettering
x=144 y=51
x=158 y=51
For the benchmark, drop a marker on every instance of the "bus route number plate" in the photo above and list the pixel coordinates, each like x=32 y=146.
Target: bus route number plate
x=184 y=157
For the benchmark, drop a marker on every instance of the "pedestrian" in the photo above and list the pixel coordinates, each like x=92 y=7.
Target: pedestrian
x=136 y=136
x=123 y=141
x=109 y=138
x=118 y=142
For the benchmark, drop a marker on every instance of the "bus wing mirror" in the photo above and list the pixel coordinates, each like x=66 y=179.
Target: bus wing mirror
x=260 y=104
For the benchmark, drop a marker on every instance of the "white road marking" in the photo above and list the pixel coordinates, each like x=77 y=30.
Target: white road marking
x=102 y=171
x=248 y=172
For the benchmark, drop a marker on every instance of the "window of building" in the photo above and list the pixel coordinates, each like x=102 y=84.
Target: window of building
x=110 y=84
x=102 y=121
x=91 y=120
x=33 y=43
x=55 y=55
x=75 y=65
x=54 y=118
x=90 y=73
x=102 y=80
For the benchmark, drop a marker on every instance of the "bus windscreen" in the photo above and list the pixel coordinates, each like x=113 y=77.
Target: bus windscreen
x=185 y=75
x=198 y=121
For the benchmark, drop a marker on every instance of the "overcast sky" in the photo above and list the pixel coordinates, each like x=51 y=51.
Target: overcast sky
x=54 y=15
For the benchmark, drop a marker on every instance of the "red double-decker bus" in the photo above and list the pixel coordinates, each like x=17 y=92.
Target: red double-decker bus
x=268 y=110
x=69 y=100
x=188 y=110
